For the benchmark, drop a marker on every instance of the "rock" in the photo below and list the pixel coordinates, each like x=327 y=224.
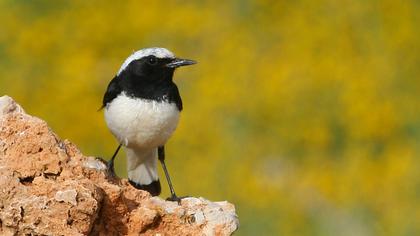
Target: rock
x=48 y=187
x=68 y=196
x=8 y=105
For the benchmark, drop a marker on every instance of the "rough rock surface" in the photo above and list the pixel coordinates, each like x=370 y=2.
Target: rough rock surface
x=47 y=187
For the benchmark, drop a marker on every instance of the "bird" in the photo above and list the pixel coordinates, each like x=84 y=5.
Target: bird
x=142 y=105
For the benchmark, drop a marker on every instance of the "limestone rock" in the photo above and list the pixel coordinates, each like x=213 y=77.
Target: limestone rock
x=48 y=187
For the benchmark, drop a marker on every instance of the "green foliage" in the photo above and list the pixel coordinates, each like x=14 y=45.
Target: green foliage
x=305 y=114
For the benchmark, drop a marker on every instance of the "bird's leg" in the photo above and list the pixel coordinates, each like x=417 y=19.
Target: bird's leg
x=110 y=163
x=161 y=156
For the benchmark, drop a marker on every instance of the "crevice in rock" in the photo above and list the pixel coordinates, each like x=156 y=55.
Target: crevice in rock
x=69 y=218
x=96 y=224
x=156 y=222
x=26 y=180
x=53 y=176
x=22 y=212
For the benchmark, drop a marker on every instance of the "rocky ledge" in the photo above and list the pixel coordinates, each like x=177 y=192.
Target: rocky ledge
x=48 y=187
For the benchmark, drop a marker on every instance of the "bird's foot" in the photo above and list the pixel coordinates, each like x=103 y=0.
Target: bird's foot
x=110 y=167
x=175 y=198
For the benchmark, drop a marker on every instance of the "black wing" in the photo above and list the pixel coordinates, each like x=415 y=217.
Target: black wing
x=111 y=92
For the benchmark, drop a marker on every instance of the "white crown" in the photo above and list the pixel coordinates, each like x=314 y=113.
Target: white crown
x=157 y=52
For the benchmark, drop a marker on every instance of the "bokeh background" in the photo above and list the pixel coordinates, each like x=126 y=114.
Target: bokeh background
x=304 y=114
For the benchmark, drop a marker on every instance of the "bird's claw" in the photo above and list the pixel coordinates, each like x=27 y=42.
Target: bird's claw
x=110 y=167
x=175 y=198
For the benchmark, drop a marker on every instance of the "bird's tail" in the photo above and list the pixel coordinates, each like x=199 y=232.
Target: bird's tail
x=142 y=171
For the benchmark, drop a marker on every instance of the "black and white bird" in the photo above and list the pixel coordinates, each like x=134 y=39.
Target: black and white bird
x=142 y=106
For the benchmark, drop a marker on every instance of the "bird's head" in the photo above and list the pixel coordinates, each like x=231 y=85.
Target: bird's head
x=152 y=64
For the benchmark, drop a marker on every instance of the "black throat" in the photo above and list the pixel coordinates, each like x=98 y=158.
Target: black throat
x=149 y=85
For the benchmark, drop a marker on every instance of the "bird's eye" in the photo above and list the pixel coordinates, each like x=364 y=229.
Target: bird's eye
x=152 y=60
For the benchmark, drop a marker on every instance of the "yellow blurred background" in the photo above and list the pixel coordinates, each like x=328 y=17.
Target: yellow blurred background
x=304 y=114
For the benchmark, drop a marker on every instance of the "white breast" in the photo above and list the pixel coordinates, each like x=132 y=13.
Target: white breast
x=141 y=123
